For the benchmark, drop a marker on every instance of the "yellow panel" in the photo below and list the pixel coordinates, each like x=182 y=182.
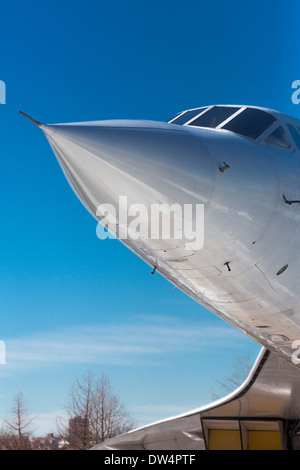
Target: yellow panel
x=265 y=440
x=220 y=439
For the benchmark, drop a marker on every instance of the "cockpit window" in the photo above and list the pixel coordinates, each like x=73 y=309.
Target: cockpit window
x=186 y=116
x=251 y=123
x=214 y=116
x=278 y=137
x=294 y=134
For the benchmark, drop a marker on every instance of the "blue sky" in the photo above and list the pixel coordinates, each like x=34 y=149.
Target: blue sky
x=70 y=302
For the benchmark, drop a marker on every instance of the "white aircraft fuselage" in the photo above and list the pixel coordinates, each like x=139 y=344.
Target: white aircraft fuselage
x=245 y=170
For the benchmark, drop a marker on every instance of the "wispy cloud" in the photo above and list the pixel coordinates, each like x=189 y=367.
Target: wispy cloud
x=140 y=340
x=150 y=413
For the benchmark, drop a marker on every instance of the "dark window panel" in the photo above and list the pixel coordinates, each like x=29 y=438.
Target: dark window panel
x=250 y=123
x=278 y=137
x=214 y=116
x=185 y=117
x=295 y=135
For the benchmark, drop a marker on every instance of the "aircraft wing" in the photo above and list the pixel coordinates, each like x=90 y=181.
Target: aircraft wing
x=263 y=414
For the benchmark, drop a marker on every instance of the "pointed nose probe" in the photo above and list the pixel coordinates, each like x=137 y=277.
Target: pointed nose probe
x=37 y=123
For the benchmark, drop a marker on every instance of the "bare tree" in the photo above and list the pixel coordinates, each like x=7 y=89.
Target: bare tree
x=75 y=428
x=93 y=415
x=241 y=368
x=16 y=430
x=110 y=417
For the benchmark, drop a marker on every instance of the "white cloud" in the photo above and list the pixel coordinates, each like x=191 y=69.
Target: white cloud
x=142 y=340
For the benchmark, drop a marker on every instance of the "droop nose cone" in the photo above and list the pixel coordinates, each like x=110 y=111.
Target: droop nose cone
x=143 y=160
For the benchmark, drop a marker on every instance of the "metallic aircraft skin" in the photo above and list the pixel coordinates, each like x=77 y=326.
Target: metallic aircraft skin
x=247 y=270
x=268 y=400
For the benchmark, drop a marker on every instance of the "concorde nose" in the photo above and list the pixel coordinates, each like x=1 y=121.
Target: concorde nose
x=149 y=162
